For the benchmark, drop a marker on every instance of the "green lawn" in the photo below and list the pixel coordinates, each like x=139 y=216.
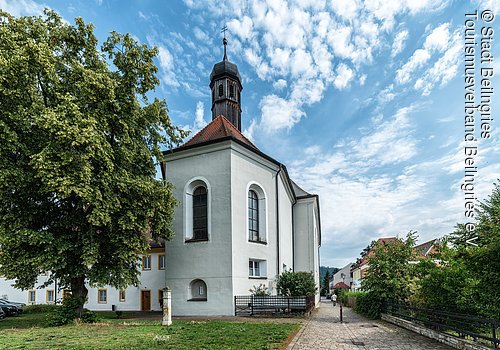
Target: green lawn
x=30 y=331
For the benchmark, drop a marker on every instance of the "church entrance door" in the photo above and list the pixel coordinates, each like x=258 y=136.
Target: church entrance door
x=145 y=300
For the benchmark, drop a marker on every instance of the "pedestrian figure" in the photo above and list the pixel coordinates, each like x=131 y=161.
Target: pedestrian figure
x=334 y=299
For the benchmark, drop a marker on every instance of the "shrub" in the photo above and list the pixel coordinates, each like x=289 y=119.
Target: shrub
x=369 y=304
x=39 y=309
x=65 y=313
x=296 y=284
x=89 y=316
x=345 y=297
x=260 y=290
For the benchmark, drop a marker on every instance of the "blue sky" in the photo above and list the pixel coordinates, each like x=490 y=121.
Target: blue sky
x=362 y=100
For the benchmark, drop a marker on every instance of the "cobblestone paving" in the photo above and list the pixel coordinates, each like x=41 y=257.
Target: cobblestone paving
x=324 y=331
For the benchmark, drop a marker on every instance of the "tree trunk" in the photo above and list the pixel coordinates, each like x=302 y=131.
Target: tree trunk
x=79 y=292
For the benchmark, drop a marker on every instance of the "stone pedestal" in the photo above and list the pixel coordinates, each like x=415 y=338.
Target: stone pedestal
x=167 y=307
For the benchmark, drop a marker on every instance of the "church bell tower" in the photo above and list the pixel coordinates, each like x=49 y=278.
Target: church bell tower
x=225 y=84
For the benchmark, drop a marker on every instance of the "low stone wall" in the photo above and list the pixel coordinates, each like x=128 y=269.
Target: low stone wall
x=447 y=339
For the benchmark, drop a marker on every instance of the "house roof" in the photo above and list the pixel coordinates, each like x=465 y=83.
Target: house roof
x=425 y=248
x=219 y=128
x=299 y=192
x=341 y=285
x=382 y=241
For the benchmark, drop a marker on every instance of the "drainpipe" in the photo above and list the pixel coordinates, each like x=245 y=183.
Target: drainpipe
x=293 y=237
x=277 y=226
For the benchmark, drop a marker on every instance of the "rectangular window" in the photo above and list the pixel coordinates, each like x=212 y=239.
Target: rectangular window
x=160 y=297
x=31 y=296
x=49 y=297
x=161 y=262
x=146 y=262
x=256 y=268
x=121 y=295
x=102 y=296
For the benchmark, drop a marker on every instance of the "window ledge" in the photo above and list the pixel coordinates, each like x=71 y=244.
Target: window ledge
x=197 y=299
x=257 y=277
x=193 y=240
x=258 y=242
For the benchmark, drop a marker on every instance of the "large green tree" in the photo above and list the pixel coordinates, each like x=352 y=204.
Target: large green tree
x=479 y=252
x=79 y=143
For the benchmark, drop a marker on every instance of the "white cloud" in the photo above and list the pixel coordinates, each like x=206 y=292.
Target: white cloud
x=347 y=9
x=417 y=60
x=344 y=76
x=399 y=42
x=248 y=132
x=444 y=69
x=362 y=79
x=241 y=27
x=492 y=5
x=200 y=35
x=438 y=38
x=278 y=113
x=280 y=84
x=391 y=142
x=200 y=121
x=166 y=64
x=22 y=7
x=437 y=41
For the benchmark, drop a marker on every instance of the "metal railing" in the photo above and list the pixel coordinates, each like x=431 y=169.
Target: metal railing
x=483 y=330
x=250 y=305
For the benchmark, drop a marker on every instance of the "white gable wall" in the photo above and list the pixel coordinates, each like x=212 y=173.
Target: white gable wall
x=209 y=261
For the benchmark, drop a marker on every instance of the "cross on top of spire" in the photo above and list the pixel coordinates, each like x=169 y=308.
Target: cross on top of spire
x=224 y=41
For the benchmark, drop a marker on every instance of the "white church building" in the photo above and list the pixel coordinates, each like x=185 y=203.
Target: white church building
x=240 y=221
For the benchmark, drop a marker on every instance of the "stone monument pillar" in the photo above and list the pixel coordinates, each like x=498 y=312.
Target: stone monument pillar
x=167 y=307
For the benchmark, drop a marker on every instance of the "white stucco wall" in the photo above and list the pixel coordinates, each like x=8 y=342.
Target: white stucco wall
x=306 y=240
x=248 y=171
x=209 y=261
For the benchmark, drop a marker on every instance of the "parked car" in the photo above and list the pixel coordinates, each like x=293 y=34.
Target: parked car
x=2 y=314
x=13 y=302
x=10 y=309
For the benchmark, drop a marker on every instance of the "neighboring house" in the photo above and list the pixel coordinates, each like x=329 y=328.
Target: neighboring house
x=343 y=275
x=240 y=222
x=143 y=297
x=359 y=271
x=425 y=249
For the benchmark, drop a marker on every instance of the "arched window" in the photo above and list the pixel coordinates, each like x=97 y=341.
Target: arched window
x=256 y=214
x=221 y=90
x=253 y=216
x=200 y=217
x=197 y=210
x=231 y=90
x=198 y=290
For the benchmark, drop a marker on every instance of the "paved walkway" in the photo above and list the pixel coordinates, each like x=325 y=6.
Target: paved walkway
x=324 y=331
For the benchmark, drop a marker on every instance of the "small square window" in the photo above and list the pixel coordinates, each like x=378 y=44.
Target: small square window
x=102 y=296
x=31 y=296
x=50 y=296
x=256 y=268
x=146 y=262
x=121 y=296
x=161 y=262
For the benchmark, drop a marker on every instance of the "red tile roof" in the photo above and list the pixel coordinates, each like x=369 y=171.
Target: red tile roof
x=218 y=128
x=341 y=285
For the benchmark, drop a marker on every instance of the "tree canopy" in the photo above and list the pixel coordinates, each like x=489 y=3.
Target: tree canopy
x=79 y=145
x=389 y=273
